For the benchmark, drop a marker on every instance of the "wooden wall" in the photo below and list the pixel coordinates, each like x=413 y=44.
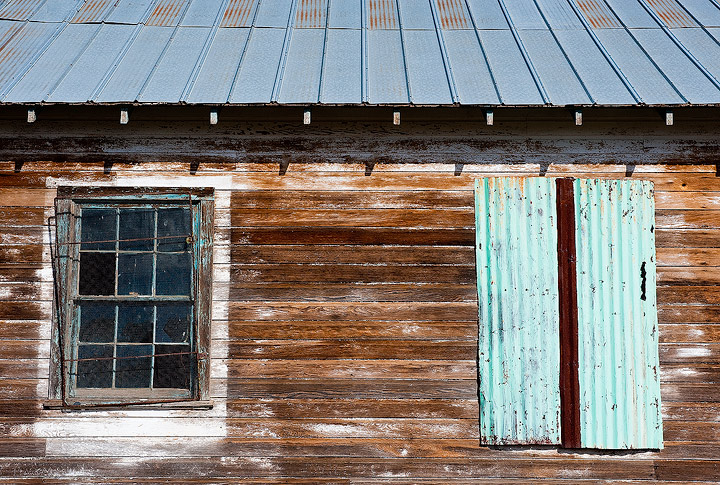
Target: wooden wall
x=345 y=310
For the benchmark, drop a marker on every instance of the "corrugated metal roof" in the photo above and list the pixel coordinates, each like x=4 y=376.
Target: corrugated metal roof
x=404 y=52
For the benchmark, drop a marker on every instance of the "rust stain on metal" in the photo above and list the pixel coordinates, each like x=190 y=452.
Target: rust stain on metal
x=311 y=14
x=237 y=13
x=671 y=13
x=92 y=11
x=598 y=14
x=20 y=9
x=13 y=49
x=382 y=14
x=166 y=13
x=453 y=14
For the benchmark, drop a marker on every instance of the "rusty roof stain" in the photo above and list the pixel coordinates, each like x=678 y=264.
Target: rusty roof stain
x=311 y=14
x=671 y=13
x=453 y=14
x=237 y=13
x=166 y=13
x=382 y=14
x=20 y=9
x=598 y=14
x=93 y=11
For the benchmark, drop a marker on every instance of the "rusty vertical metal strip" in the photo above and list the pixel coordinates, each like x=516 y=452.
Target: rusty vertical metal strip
x=567 y=288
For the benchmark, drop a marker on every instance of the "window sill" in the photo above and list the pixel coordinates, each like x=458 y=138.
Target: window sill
x=99 y=405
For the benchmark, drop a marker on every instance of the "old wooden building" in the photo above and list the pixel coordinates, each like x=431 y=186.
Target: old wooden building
x=329 y=241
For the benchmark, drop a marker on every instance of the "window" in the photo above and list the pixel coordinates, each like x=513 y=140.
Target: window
x=133 y=295
x=568 y=336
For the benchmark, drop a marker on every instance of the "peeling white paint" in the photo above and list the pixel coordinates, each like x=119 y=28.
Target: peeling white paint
x=696 y=351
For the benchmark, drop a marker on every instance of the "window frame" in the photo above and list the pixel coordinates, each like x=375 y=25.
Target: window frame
x=68 y=205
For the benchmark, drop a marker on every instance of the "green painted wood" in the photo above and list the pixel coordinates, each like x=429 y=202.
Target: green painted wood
x=517 y=270
x=617 y=316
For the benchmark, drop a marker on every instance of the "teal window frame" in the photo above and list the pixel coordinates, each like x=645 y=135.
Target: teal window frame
x=69 y=204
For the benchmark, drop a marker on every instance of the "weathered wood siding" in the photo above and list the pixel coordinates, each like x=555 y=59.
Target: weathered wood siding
x=345 y=309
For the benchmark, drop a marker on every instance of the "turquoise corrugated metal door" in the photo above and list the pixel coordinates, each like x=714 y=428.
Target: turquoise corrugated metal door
x=617 y=318
x=519 y=354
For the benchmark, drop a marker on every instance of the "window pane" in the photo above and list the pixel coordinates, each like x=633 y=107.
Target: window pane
x=173 y=323
x=173 y=370
x=97 y=274
x=135 y=274
x=97 y=322
x=133 y=371
x=135 y=323
x=95 y=373
x=137 y=224
x=98 y=225
x=173 y=274
x=173 y=222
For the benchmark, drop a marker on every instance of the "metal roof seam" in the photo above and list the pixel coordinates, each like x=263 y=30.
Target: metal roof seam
x=203 y=54
x=70 y=66
x=162 y=54
x=622 y=22
x=526 y=56
x=680 y=45
x=443 y=51
x=482 y=49
x=404 y=55
x=363 y=55
x=118 y=59
x=562 y=49
x=606 y=54
x=242 y=55
x=322 y=59
x=283 y=57
x=28 y=16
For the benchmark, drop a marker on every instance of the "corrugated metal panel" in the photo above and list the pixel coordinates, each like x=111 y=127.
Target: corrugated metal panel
x=633 y=15
x=386 y=76
x=93 y=11
x=473 y=81
x=598 y=14
x=381 y=14
x=259 y=68
x=416 y=15
x=311 y=14
x=519 y=343
x=167 y=13
x=453 y=14
x=559 y=14
x=218 y=72
x=704 y=12
x=342 y=70
x=345 y=14
x=130 y=11
x=524 y=14
x=56 y=10
x=617 y=318
x=487 y=15
x=273 y=13
x=50 y=68
x=671 y=13
x=301 y=79
x=18 y=51
x=703 y=46
x=425 y=69
x=202 y=13
x=20 y=9
x=239 y=13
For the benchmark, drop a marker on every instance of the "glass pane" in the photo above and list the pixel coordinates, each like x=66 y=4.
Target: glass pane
x=173 y=274
x=173 y=222
x=98 y=225
x=173 y=370
x=173 y=323
x=97 y=322
x=135 y=274
x=131 y=370
x=97 y=274
x=95 y=373
x=135 y=323
x=138 y=225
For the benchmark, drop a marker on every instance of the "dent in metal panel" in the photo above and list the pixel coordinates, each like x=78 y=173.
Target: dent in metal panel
x=473 y=81
x=617 y=317
x=558 y=77
x=167 y=83
x=671 y=13
x=453 y=14
x=93 y=65
x=416 y=15
x=311 y=14
x=301 y=78
x=524 y=14
x=642 y=74
x=20 y=9
x=239 y=13
x=687 y=78
x=129 y=12
x=632 y=14
x=596 y=73
x=345 y=14
x=166 y=13
x=52 y=64
x=381 y=14
x=19 y=47
x=93 y=11
x=386 y=68
x=342 y=70
x=704 y=12
x=56 y=10
x=216 y=76
x=703 y=46
x=425 y=68
x=259 y=67
x=518 y=342
x=598 y=14
x=559 y=14
x=513 y=78
x=137 y=64
x=202 y=13
x=273 y=13
x=487 y=15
